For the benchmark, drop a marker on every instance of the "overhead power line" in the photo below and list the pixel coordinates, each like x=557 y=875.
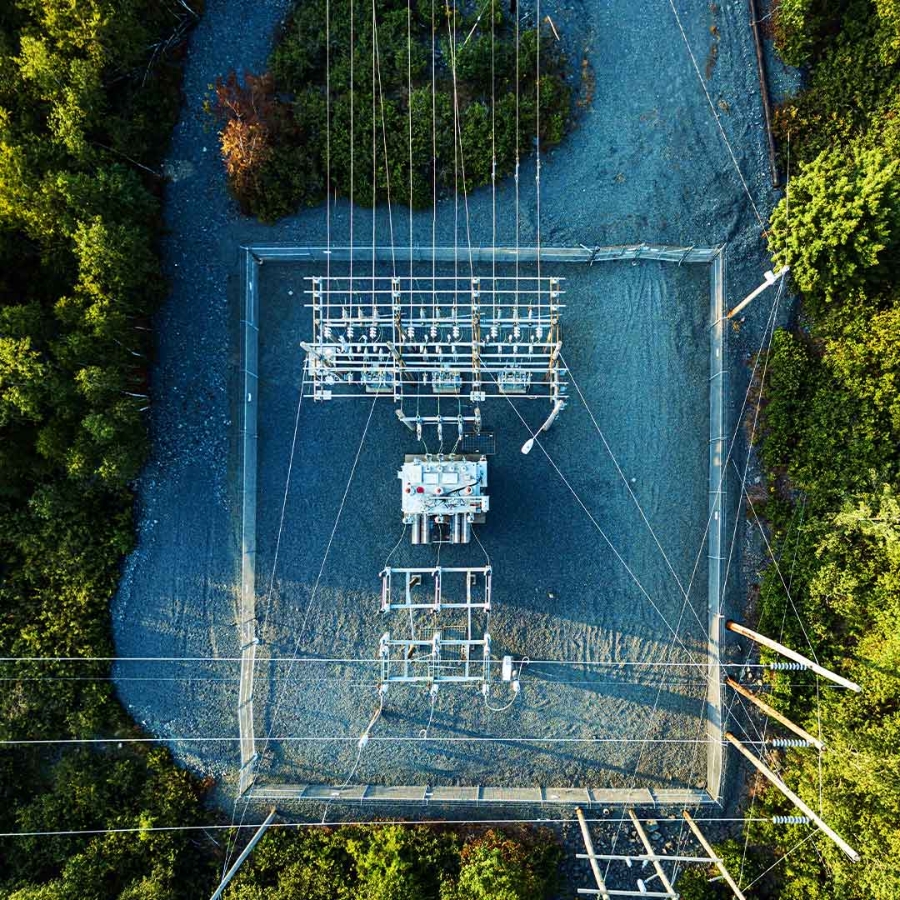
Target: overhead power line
x=337 y=823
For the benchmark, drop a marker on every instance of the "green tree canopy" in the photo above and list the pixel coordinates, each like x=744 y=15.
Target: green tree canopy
x=840 y=229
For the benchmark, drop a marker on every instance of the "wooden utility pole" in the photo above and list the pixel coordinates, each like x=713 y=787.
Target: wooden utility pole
x=708 y=848
x=770 y=279
x=770 y=711
x=764 y=91
x=589 y=846
x=760 y=766
x=246 y=852
x=663 y=880
x=742 y=630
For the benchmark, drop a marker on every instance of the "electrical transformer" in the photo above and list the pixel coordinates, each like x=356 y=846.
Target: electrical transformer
x=443 y=496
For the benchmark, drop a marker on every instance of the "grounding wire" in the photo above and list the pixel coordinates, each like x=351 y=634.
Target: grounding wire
x=680 y=840
x=458 y=138
x=782 y=858
x=280 y=696
x=362 y=742
x=409 y=116
x=284 y=500
x=328 y=158
x=790 y=601
x=350 y=738
x=766 y=724
x=595 y=523
x=332 y=679
x=685 y=593
x=793 y=605
x=731 y=448
x=423 y=733
x=615 y=462
x=352 y=135
x=762 y=379
x=778 y=570
x=516 y=175
x=450 y=44
x=768 y=334
x=433 y=167
x=690 y=584
x=346 y=659
x=537 y=138
x=493 y=168
x=387 y=167
x=664 y=682
x=732 y=444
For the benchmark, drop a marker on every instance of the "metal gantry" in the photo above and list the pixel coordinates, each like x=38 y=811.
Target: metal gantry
x=448 y=642
x=426 y=338
x=423 y=588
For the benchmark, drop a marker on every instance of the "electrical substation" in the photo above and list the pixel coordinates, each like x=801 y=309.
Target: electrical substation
x=462 y=385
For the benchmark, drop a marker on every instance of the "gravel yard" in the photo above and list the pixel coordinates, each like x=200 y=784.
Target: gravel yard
x=637 y=344
x=646 y=161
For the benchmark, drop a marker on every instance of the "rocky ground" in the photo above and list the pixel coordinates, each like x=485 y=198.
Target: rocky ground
x=645 y=161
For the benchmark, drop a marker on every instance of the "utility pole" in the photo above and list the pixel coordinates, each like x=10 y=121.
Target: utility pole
x=760 y=766
x=708 y=848
x=773 y=713
x=771 y=277
x=589 y=846
x=245 y=853
x=663 y=880
x=742 y=630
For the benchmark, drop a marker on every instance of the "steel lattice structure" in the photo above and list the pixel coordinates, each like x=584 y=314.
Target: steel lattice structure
x=448 y=641
x=428 y=337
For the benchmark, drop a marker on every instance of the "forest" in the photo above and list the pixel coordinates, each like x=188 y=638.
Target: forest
x=88 y=95
x=831 y=450
x=434 y=94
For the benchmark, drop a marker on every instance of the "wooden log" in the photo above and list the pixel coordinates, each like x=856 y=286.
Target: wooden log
x=737 y=628
x=760 y=766
x=589 y=846
x=764 y=92
x=663 y=880
x=773 y=713
x=708 y=848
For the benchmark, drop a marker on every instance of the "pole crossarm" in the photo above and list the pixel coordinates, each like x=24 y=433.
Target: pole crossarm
x=597 y=891
x=773 y=713
x=760 y=766
x=645 y=857
x=708 y=848
x=742 y=630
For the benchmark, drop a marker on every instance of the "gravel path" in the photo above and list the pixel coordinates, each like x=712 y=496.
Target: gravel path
x=645 y=162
